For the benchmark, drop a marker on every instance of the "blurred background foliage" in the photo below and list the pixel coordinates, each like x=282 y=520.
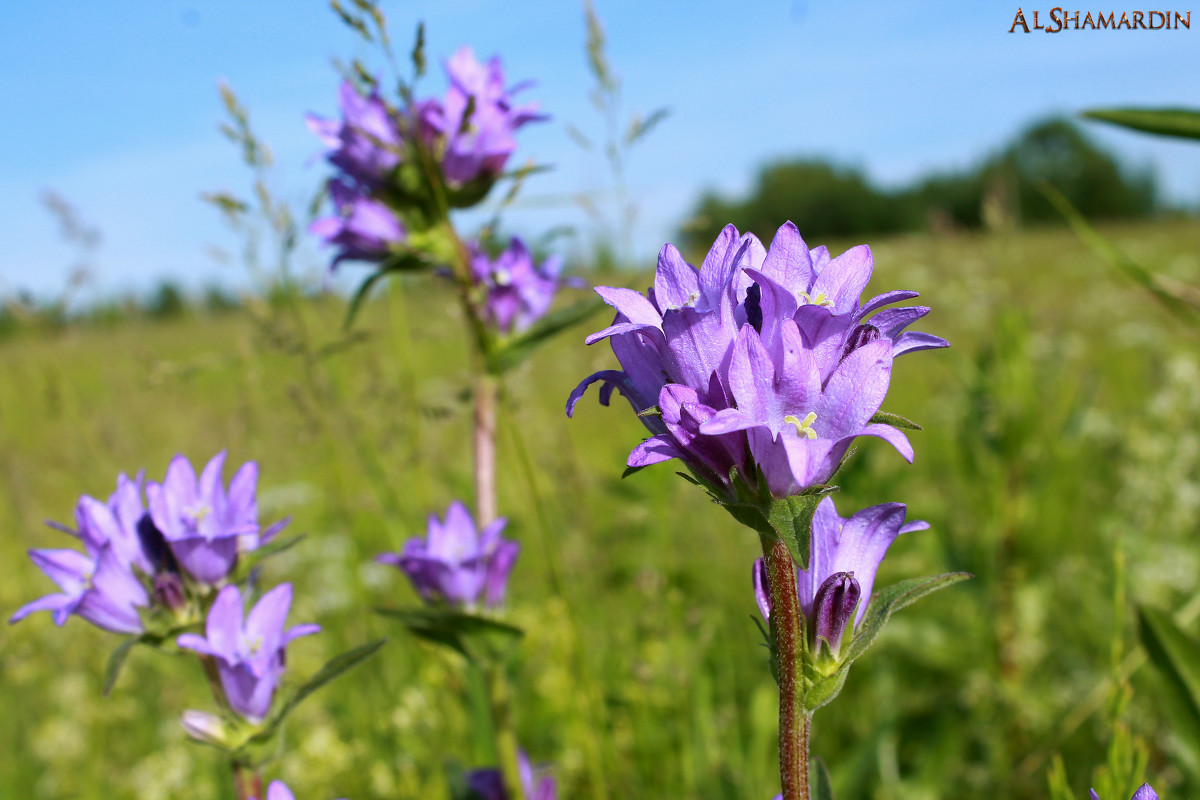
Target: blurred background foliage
x=1000 y=191
x=1060 y=464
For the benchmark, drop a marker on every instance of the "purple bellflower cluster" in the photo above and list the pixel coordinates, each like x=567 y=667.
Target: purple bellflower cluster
x=488 y=784
x=844 y=555
x=1144 y=792
x=143 y=557
x=455 y=563
x=248 y=649
x=516 y=291
x=382 y=193
x=761 y=363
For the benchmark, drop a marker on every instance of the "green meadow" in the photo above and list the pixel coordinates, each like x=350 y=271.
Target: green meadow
x=1060 y=464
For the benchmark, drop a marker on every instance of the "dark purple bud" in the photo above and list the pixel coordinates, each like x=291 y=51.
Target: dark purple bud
x=833 y=607
x=859 y=336
x=754 y=314
x=168 y=591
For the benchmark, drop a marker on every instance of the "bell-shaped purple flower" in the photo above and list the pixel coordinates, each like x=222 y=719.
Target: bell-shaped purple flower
x=366 y=144
x=476 y=123
x=362 y=227
x=249 y=650
x=199 y=520
x=1144 y=792
x=518 y=292
x=98 y=586
x=488 y=784
x=844 y=556
x=761 y=358
x=455 y=563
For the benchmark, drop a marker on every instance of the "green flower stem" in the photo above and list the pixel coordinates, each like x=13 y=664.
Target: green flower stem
x=506 y=737
x=479 y=701
x=794 y=725
x=485 y=449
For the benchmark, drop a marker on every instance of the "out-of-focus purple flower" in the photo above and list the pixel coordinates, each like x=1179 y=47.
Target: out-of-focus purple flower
x=476 y=122
x=362 y=228
x=518 y=291
x=204 y=727
x=844 y=557
x=760 y=358
x=1144 y=792
x=199 y=520
x=488 y=784
x=250 y=651
x=366 y=144
x=455 y=563
x=98 y=586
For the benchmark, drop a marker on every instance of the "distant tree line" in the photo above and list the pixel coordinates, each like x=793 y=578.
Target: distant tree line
x=825 y=199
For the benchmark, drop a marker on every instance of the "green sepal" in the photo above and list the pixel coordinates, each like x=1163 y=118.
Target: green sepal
x=822 y=688
x=510 y=351
x=476 y=638
x=822 y=785
x=1183 y=123
x=896 y=421
x=116 y=660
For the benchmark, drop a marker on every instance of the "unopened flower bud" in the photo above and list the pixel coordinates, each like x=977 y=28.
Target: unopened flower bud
x=762 y=588
x=168 y=591
x=205 y=728
x=833 y=608
x=860 y=336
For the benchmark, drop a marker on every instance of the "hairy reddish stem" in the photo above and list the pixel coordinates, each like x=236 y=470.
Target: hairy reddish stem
x=794 y=725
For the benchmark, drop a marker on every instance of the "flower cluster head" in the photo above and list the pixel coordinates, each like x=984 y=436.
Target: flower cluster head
x=845 y=554
x=248 y=649
x=516 y=291
x=144 y=555
x=473 y=129
x=382 y=192
x=1144 y=792
x=456 y=564
x=761 y=363
x=488 y=784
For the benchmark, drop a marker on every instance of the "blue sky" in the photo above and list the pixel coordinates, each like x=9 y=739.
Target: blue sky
x=114 y=105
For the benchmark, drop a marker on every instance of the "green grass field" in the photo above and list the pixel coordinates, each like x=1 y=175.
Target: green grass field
x=1062 y=429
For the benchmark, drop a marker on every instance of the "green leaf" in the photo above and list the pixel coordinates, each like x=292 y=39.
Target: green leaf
x=822 y=786
x=896 y=421
x=333 y=668
x=1147 y=279
x=791 y=520
x=1178 y=122
x=474 y=637
x=360 y=296
x=117 y=660
x=517 y=348
x=1177 y=657
x=888 y=601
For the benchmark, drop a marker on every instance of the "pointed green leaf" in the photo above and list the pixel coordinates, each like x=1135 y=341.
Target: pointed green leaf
x=896 y=421
x=1179 y=122
x=822 y=786
x=333 y=668
x=360 y=296
x=824 y=690
x=520 y=346
x=791 y=520
x=472 y=636
x=889 y=600
x=115 y=661
x=1177 y=657
x=418 y=51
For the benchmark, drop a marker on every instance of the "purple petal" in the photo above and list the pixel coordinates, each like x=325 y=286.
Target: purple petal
x=224 y=624
x=265 y=621
x=911 y=341
x=499 y=567
x=296 y=631
x=654 y=450
x=279 y=791
x=67 y=568
x=854 y=391
x=842 y=281
x=206 y=561
x=885 y=299
x=61 y=604
x=676 y=283
x=788 y=260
